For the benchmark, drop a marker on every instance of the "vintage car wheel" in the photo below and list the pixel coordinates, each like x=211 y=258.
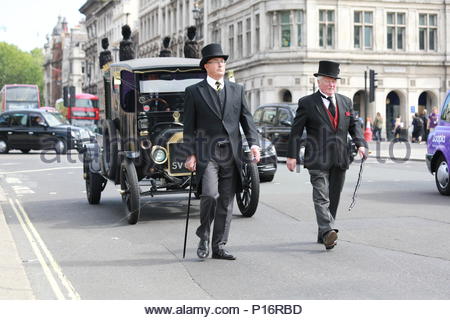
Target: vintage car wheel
x=110 y=155
x=442 y=177
x=247 y=200
x=60 y=147
x=3 y=146
x=25 y=150
x=130 y=190
x=95 y=183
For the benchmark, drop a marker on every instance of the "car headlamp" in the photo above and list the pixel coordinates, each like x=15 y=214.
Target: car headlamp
x=159 y=154
x=75 y=134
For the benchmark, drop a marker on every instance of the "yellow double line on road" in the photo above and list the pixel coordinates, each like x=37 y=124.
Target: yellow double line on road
x=48 y=263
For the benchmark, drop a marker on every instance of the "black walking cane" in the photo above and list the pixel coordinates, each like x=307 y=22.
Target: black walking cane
x=187 y=216
x=358 y=183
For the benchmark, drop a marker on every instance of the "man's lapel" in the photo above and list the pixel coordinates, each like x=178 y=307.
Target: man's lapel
x=321 y=108
x=229 y=94
x=205 y=92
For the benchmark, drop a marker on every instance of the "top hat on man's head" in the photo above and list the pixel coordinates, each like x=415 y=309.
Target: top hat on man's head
x=212 y=50
x=328 y=69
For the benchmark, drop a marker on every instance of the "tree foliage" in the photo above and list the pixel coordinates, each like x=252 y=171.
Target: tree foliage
x=17 y=66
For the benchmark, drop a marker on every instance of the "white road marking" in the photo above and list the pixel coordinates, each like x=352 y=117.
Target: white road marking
x=12 y=180
x=22 y=190
x=38 y=245
x=52 y=193
x=40 y=170
x=51 y=279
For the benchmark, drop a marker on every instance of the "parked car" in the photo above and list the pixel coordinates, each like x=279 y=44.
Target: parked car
x=27 y=130
x=274 y=122
x=438 y=149
x=267 y=166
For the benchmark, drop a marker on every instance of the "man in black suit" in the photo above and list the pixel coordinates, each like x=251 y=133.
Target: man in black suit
x=328 y=117
x=213 y=110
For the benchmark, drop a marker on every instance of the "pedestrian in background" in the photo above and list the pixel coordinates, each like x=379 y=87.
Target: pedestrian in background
x=328 y=118
x=433 y=119
x=377 y=126
x=424 y=117
x=397 y=129
x=417 y=128
x=213 y=111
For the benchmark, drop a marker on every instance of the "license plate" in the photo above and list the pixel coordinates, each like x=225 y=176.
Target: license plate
x=177 y=158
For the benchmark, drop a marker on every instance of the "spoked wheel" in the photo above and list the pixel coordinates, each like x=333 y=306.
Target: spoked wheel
x=130 y=190
x=247 y=200
x=95 y=184
x=442 y=177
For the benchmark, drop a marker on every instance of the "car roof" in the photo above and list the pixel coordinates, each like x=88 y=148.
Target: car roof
x=25 y=110
x=280 y=104
x=156 y=63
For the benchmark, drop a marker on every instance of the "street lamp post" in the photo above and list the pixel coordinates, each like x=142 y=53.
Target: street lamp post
x=198 y=18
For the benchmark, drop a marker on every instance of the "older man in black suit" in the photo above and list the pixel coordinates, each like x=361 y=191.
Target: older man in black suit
x=213 y=110
x=328 y=117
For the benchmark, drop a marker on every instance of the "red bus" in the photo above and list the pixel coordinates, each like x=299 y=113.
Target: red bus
x=85 y=113
x=19 y=97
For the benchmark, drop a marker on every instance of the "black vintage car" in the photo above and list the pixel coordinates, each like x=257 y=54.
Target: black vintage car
x=34 y=129
x=141 y=146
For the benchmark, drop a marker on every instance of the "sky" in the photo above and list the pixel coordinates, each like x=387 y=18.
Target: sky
x=25 y=23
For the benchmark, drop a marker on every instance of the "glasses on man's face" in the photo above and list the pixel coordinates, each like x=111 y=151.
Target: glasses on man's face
x=216 y=62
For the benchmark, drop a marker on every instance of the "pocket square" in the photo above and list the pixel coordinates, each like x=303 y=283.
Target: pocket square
x=347 y=114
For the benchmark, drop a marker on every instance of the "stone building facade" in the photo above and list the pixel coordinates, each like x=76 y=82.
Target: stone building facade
x=275 y=47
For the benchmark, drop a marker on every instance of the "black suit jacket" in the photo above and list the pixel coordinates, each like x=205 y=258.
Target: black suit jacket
x=326 y=146
x=204 y=123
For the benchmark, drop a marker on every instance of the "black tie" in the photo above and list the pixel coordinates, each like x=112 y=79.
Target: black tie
x=218 y=86
x=331 y=107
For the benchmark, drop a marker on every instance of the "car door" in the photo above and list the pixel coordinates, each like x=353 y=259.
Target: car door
x=38 y=131
x=18 y=137
x=267 y=123
x=282 y=130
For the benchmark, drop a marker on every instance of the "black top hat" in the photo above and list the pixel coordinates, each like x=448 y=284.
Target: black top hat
x=328 y=69
x=212 y=50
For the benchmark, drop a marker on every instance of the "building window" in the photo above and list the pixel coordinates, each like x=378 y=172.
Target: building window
x=240 y=43
x=231 y=39
x=396 y=30
x=257 y=34
x=363 y=29
x=300 y=22
x=285 y=23
x=428 y=32
x=248 y=36
x=326 y=28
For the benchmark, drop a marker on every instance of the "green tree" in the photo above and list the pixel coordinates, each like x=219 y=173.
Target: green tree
x=17 y=66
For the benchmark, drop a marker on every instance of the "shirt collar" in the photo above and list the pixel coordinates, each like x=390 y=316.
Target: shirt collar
x=324 y=96
x=212 y=82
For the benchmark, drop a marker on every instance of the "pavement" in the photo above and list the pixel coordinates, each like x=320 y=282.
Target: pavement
x=14 y=284
x=399 y=151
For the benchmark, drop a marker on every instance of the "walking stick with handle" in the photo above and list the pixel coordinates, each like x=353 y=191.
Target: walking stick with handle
x=187 y=216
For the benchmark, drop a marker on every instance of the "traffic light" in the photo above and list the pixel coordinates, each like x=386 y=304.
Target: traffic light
x=372 y=86
x=69 y=96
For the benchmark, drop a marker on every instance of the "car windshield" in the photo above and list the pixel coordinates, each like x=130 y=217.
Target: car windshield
x=164 y=91
x=165 y=82
x=54 y=119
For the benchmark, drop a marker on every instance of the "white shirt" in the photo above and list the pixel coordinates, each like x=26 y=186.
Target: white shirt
x=326 y=102
x=212 y=82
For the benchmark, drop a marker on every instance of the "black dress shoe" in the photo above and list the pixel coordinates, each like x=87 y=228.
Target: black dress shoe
x=203 y=249
x=223 y=254
x=329 y=239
